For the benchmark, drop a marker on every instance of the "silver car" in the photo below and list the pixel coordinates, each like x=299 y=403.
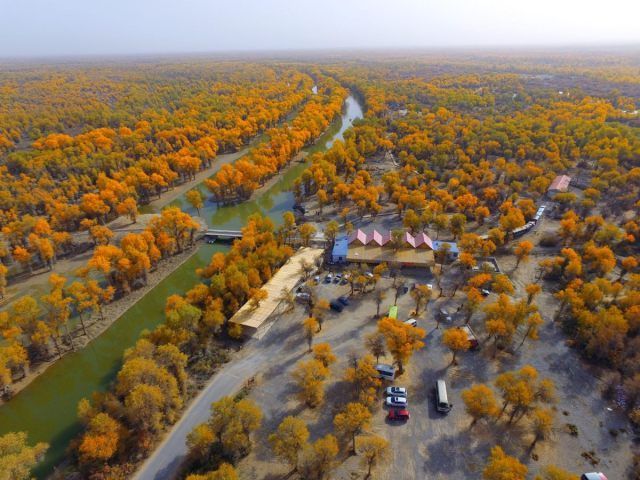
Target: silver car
x=396 y=391
x=396 y=402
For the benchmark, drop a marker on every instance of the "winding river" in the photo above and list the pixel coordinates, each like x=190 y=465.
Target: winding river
x=46 y=409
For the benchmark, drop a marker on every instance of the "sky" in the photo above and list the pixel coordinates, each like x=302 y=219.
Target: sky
x=35 y=28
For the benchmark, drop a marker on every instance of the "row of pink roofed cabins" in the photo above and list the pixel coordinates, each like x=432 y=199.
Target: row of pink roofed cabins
x=420 y=240
x=377 y=247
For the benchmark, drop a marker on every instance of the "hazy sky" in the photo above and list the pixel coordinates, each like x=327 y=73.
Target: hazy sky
x=62 y=27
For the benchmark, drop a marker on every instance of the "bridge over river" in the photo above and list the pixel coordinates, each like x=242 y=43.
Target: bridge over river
x=215 y=234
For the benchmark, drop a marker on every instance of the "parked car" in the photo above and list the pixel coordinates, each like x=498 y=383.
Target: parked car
x=403 y=289
x=336 y=306
x=411 y=321
x=471 y=336
x=488 y=266
x=396 y=391
x=396 y=402
x=328 y=278
x=368 y=274
x=444 y=316
x=385 y=372
x=336 y=279
x=593 y=476
x=485 y=292
x=303 y=297
x=343 y=300
x=316 y=279
x=398 y=414
x=430 y=286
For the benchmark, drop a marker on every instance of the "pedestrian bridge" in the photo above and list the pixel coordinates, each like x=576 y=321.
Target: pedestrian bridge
x=216 y=233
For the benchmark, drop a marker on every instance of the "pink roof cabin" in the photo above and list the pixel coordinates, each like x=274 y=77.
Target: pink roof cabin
x=560 y=183
x=381 y=238
x=360 y=236
x=423 y=240
x=420 y=240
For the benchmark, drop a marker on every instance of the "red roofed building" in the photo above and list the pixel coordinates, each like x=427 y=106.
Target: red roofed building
x=560 y=184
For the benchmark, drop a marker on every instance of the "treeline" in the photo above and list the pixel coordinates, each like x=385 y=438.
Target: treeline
x=240 y=180
x=35 y=329
x=90 y=149
x=472 y=161
x=598 y=282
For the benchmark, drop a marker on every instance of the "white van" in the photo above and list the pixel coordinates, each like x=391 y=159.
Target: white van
x=442 y=401
x=386 y=372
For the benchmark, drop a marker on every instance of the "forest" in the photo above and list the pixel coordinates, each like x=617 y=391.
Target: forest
x=105 y=143
x=462 y=147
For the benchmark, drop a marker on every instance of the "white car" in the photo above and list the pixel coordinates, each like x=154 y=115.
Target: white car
x=412 y=321
x=396 y=391
x=396 y=402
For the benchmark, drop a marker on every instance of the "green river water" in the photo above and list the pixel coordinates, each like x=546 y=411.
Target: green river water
x=46 y=409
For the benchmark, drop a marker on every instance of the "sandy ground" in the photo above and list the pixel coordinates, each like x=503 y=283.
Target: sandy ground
x=431 y=445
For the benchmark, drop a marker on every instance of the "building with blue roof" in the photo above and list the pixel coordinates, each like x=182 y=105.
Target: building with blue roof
x=340 y=250
x=453 y=249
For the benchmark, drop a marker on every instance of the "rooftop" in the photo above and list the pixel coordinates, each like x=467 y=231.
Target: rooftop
x=375 y=254
x=560 y=183
x=287 y=277
x=341 y=246
x=453 y=246
x=381 y=237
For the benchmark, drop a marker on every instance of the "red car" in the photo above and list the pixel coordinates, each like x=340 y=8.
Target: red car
x=398 y=414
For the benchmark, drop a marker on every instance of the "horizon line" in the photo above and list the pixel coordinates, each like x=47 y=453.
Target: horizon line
x=265 y=52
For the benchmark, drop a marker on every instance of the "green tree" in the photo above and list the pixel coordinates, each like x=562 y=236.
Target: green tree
x=17 y=458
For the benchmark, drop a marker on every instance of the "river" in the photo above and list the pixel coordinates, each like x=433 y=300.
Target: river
x=46 y=409
x=278 y=198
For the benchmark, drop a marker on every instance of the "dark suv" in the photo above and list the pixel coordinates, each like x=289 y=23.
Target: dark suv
x=336 y=306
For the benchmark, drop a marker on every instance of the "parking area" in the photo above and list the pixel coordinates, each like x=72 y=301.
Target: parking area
x=433 y=444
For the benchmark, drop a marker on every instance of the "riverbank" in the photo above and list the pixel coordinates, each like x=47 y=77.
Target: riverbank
x=111 y=312
x=171 y=195
x=299 y=158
